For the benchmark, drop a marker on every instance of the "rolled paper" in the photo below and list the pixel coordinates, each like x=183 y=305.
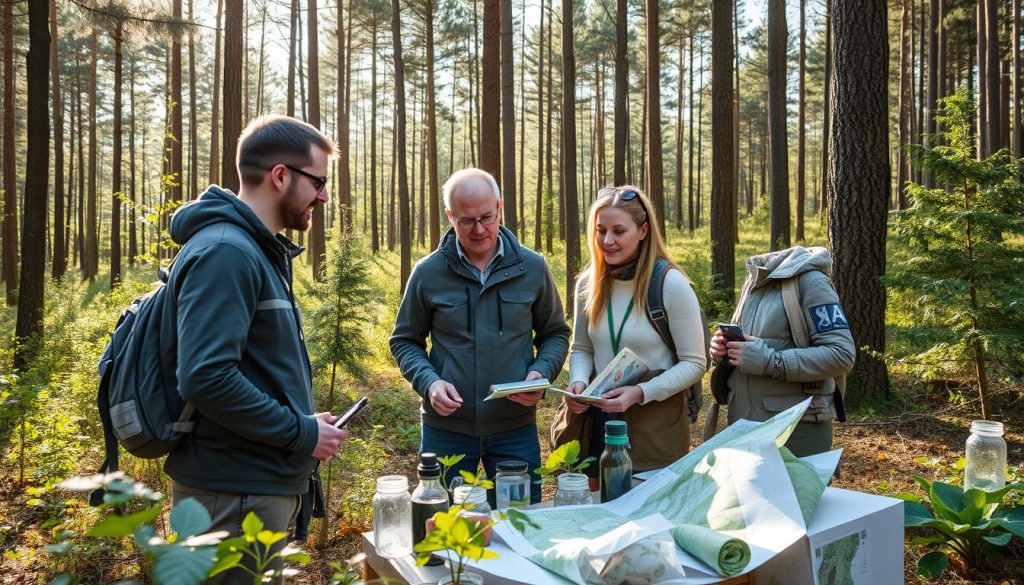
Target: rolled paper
x=723 y=553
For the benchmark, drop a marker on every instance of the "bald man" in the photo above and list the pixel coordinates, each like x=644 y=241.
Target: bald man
x=493 y=315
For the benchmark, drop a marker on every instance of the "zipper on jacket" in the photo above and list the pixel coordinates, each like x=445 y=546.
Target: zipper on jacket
x=501 y=326
x=469 y=313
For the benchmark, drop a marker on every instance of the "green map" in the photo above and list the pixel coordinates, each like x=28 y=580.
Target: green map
x=842 y=562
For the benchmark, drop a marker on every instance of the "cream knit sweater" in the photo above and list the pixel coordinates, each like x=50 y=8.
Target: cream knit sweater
x=592 y=346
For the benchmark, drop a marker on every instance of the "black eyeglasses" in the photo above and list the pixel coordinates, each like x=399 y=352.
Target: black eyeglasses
x=318 y=182
x=468 y=224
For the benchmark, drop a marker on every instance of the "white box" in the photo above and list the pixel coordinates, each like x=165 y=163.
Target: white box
x=868 y=524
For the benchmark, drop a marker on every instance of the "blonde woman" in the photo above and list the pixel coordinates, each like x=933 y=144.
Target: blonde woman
x=611 y=313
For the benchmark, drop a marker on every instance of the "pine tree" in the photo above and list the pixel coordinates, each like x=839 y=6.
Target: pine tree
x=337 y=327
x=965 y=270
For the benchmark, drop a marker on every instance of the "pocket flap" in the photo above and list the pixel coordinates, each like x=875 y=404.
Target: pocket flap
x=448 y=300
x=780 y=402
x=516 y=296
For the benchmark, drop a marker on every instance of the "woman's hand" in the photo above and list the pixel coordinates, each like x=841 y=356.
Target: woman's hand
x=621 y=398
x=575 y=406
x=735 y=350
x=718 y=348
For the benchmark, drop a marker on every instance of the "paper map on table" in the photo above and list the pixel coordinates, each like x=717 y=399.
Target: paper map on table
x=737 y=483
x=843 y=561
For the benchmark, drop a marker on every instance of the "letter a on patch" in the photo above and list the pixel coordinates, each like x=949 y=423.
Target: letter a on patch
x=828 y=318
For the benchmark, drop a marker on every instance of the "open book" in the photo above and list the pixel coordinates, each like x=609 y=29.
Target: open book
x=624 y=370
x=503 y=390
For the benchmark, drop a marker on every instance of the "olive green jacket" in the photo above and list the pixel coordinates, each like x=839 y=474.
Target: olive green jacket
x=764 y=386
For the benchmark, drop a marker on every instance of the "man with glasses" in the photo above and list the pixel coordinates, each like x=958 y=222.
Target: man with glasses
x=493 y=315
x=239 y=348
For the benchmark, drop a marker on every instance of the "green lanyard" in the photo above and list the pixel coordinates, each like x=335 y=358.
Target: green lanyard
x=617 y=337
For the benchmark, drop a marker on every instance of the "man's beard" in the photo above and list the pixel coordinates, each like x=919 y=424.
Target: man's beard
x=293 y=210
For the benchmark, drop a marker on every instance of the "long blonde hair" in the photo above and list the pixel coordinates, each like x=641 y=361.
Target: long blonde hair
x=596 y=289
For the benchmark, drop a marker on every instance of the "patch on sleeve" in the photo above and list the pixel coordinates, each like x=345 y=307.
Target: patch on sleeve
x=828 y=318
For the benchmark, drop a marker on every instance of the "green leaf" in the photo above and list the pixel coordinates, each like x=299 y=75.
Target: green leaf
x=1011 y=519
x=520 y=520
x=114 y=526
x=58 y=548
x=450 y=460
x=907 y=497
x=224 y=562
x=189 y=518
x=296 y=557
x=932 y=564
x=1001 y=539
x=947 y=500
x=468 y=476
x=975 y=501
x=268 y=537
x=930 y=539
x=915 y=514
x=179 y=565
x=232 y=545
x=251 y=525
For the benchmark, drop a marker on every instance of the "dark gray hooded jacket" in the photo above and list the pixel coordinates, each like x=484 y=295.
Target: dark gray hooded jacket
x=241 y=357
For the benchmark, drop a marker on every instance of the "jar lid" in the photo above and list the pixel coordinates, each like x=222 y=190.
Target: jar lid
x=573 y=482
x=428 y=466
x=392 y=484
x=615 y=433
x=513 y=465
x=988 y=428
x=470 y=494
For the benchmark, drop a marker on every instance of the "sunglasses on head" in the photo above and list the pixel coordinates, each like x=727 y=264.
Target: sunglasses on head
x=625 y=194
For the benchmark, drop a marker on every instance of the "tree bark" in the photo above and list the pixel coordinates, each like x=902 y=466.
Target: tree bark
x=193 y=117
x=133 y=242
x=621 y=92
x=689 y=192
x=215 y=111
x=982 y=57
x=860 y=183
x=374 y=221
x=779 y=156
x=905 y=108
x=177 y=168
x=404 y=224
x=801 y=136
x=116 y=198
x=994 y=108
x=29 y=328
x=723 y=196
x=549 y=204
x=572 y=231
x=342 y=114
x=60 y=256
x=91 y=251
x=679 y=138
x=232 y=93
x=433 y=192
x=293 y=35
x=317 y=234
x=490 y=136
x=537 y=219
x=826 y=125
x=1017 y=130
x=10 y=248
x=508 y=119
x=655 y=165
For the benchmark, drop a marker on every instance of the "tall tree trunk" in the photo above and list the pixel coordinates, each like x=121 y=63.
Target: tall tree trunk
x=80 y=216
x=293 y=35
x=643 y=132
x=263 y=54
x=549 y=212
x=540 y=134
x=679 y=137
x=60 y=256
x=992 y=76
x=433 y=192
x=37 y=163
x=621 y=91
x=193 y=116
x=343 y=108
x=403 y=182
x=921 y=91
x=116 y=198
x=508 y=117
x=521 y=182
x=655 y=165
x=317 y=233
x=232 y=93
x=374 y=221
x=10 y=249
x=723 y=197
x=905 y=108
x=600 y=122
x=699 y=203
x=982 y=57
x=1017 y=130
x=779 y=169
x=490 y=136
x=91 y=252
x=70 y=238
x=691 y=216
x=177 y=168
x=736 y=177
x=572 y=228
x=860 y=183
x=133 y=243
x=801 y=136
x=933 y=81
x=826 y=125
x=215 y=113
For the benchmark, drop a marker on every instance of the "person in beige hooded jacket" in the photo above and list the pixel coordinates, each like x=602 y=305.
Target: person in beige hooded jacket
x=768 y=371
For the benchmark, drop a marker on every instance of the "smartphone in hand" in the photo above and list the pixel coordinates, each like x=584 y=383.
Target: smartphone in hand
x=731 y=331
x=348 y=414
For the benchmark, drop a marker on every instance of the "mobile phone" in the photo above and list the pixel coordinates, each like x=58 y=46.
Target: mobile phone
x=731 y=331
x=347 y=416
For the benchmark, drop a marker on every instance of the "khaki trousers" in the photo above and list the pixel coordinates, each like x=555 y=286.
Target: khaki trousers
x=229 y=510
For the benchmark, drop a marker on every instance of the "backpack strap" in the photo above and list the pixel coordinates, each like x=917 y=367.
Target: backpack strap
x=656 y=304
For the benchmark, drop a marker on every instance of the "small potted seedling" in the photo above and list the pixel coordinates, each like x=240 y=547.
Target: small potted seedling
x=573 y=487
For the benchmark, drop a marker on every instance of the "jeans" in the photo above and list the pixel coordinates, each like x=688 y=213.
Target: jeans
x=521 y=443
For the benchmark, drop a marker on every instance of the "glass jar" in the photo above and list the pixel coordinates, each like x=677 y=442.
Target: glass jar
x=392 y=517
x=986 y=456
x=466 y=578
x=512 y=484
x=573 y=489
x=474 y=496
